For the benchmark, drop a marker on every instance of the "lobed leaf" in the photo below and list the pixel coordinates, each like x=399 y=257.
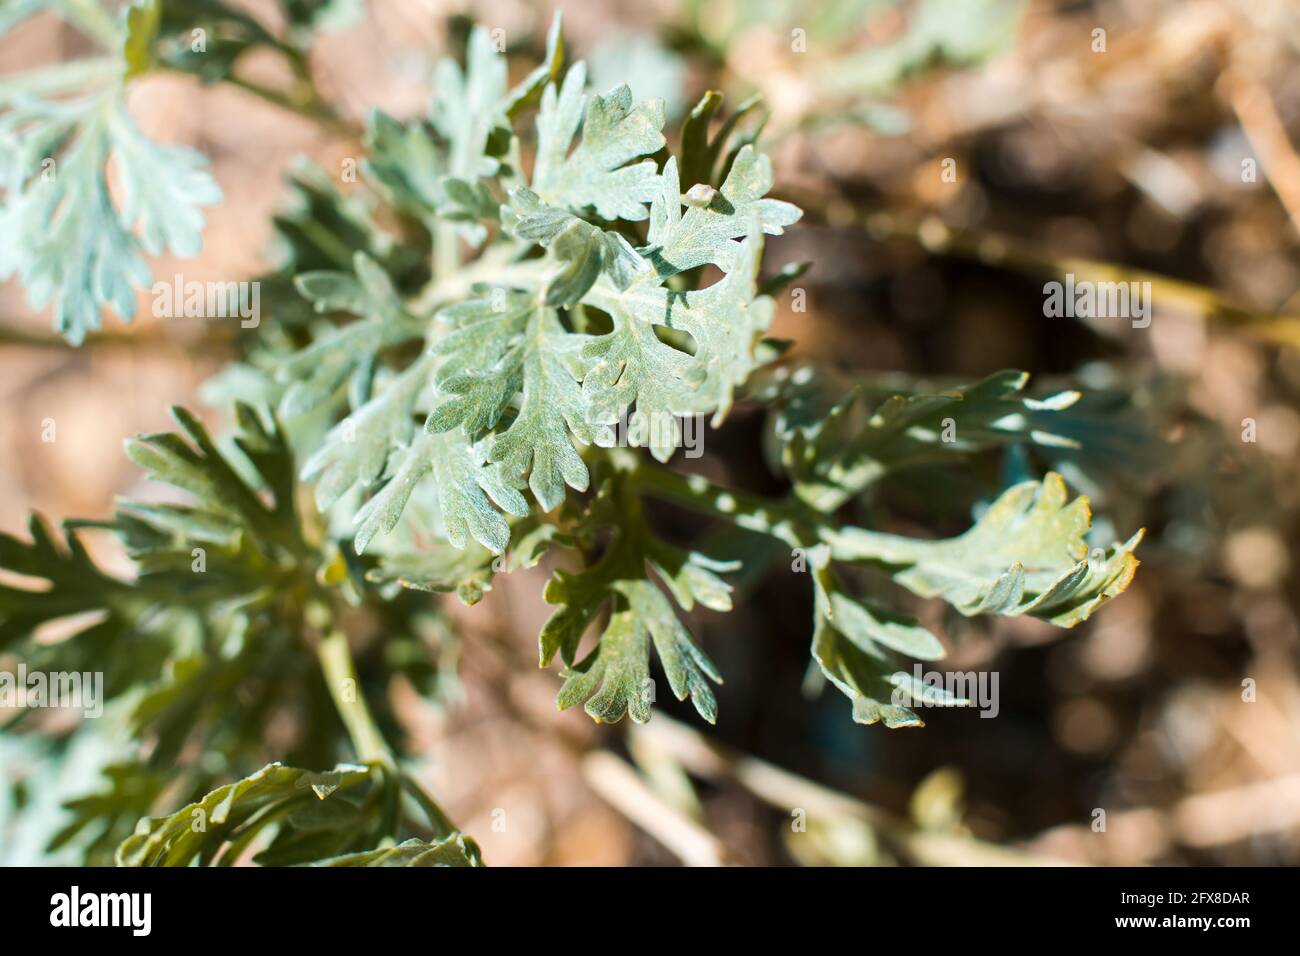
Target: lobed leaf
x=458 y=850
x=856 y=646
x=598 y=174
x=1027 y=554
x=200 y=831
x=614 y=678
x=834 y=448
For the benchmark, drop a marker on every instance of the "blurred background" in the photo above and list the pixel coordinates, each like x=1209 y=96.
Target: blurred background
x=951 y=158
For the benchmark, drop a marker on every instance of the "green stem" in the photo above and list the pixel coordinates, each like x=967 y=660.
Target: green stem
x=446 y=251
x=439 y=822
x=788 y=520
x=341 y=678
x=497 y=265
x=309 y=106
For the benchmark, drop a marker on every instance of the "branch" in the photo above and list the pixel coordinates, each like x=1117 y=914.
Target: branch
x=341 y=677
x=1000 y=251
x=620 y=785
x=785 y=791
x=788 y=520
x=1263 y=126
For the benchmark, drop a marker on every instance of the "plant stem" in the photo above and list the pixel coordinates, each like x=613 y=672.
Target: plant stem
x=624 y=789
x=446 y=251
x=787 y=520
x=439 y=822
x=785 y=791
x=1001 y=251
x=12 y=333
x=341 y=678
x=497 y=265
x=310 y=106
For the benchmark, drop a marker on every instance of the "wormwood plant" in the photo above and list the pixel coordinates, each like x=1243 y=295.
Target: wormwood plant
x=497 y=375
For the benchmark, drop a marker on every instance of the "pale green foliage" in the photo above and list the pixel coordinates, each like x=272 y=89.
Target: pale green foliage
x=834 y=445
x=348 y=354
x=614 y=679
x=214 y=604
x=357 y=451
x=463 y=482
x=201 y=829
x=450 y=393
x=434 y=170
x=319 y=817
x=516 y=387
x=620 y=664
x=500 y=349
x=467 y=571
x=598 y=174
x=851 y=642
x=705 y=232
x=458 y=850
x=1026 y=555
x=60 y=231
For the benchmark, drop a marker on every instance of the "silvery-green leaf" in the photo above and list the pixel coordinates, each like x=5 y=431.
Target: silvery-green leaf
x=529 y=90
x=1027 y=554
x=856 y=664
x=314 y=374
x=174 y=840
x=614 y=678
x=61 y=232
x=708 y=233
x=834 y=447
x=467 y=571
x=356 y=449
x=471 y=495
x=502 y=346
x=632 y=366
x=582 y=251
x=439 y=567
x=468 y=104
x=699 y=151
x=405 y=159
x=599 y=173
x=457 y=850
